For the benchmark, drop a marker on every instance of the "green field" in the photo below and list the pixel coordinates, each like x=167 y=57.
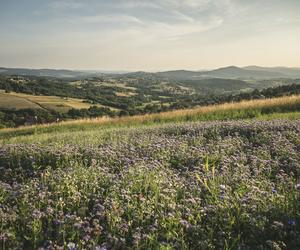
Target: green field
x=14 y=102
x=17 y=101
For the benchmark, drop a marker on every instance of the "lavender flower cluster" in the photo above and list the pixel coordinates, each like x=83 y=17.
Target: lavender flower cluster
x=233 y=185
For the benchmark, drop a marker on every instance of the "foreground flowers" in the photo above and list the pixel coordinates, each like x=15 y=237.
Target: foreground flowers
x=194 y=185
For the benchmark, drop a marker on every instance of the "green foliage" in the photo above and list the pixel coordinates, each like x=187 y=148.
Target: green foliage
x=141 y=93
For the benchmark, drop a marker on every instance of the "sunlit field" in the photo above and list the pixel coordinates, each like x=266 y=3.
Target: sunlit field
x=281 y=107
x=17 y=101
x=190 y=185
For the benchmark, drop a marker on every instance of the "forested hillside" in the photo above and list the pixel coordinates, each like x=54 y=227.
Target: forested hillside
x=32 y=99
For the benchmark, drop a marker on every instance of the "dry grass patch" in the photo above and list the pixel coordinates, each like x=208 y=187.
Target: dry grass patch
x=10 y=102
x=15 y=100
x=125 y=94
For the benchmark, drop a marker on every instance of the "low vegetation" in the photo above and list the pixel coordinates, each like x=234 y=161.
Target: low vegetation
x=261 y=109
x=215 y=185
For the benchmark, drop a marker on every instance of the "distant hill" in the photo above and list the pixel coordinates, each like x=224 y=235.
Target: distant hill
x=219 y=84
x=62 y=73
x=236 y=72
x=289 y=72
x=180 y=74
x=231 y=72
x=195 y=80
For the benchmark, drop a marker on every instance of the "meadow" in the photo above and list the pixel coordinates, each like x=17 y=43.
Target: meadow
x=179 y=180
x=270 y=108
x=16 y=101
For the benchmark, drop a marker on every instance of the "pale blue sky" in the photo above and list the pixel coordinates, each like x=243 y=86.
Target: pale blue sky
x=149 y=35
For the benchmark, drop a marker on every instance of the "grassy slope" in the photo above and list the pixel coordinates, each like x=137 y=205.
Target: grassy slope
x=20 y=101
x=282 y=107
x=14 y=102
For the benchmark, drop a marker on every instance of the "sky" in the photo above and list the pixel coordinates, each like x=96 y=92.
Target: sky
x=149 y=35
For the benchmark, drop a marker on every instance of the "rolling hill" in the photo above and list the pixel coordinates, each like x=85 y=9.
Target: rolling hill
x=220 y=85
x=254 y=72
x=61 y=73
x=233 y=72
x=236 y=72
x=288 y=72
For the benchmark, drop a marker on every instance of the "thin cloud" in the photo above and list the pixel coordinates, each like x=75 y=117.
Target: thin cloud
x=183 y=17
x=66 y=4
x=177 y=30
x=138 y=4
x=110 y=18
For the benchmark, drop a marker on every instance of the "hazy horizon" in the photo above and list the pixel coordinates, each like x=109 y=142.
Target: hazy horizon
x=150 y=71
x=149 y=36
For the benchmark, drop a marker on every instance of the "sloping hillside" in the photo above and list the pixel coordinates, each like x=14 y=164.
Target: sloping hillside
x=17 y=101
x=236 y=72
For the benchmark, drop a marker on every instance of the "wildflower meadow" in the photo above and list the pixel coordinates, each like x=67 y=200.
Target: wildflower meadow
x=194 y=185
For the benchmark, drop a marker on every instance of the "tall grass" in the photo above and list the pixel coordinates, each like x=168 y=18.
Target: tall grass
x=227 y=111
